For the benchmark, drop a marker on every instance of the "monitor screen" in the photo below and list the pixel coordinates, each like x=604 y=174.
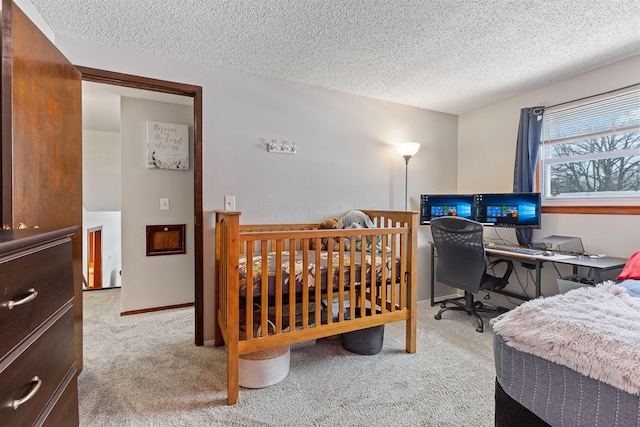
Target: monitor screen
x=517 y=210
x=436 y=205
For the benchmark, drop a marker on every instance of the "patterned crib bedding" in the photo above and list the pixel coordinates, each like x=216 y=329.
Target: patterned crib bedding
x=293 y=276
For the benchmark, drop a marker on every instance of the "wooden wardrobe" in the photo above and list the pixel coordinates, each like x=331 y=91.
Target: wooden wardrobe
x=41 y=149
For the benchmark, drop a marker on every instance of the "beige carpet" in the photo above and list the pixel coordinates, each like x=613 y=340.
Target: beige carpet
x=144 y=370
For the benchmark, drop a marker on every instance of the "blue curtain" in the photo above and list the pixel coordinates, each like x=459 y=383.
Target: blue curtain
x=527 y=150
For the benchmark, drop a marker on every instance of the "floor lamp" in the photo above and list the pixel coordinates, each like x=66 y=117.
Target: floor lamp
x=407 y=150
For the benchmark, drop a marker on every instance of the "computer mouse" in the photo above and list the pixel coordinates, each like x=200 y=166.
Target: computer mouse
x=547 y=253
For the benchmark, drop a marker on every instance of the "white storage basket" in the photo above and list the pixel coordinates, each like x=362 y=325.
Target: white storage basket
x=264 y=368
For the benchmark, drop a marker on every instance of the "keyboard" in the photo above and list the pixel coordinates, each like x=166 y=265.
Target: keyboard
x=517 y=249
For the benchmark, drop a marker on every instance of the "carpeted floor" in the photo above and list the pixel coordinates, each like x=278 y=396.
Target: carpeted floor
x=144 y=370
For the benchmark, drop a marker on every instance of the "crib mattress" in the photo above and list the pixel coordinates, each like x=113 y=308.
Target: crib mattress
x=293 y=274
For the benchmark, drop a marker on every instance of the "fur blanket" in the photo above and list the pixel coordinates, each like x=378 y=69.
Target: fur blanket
x=593 y=330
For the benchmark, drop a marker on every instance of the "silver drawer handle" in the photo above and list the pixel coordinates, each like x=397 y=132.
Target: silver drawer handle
x=32 y=295
x=36 y=382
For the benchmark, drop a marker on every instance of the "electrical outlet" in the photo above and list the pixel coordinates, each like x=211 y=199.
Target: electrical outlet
x=164 y=204
x=229 y=203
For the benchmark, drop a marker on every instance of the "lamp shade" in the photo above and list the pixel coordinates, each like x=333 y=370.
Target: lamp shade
x=408 y=148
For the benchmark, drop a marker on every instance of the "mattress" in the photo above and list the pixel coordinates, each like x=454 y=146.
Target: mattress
x=559 y=395
x=293 y=275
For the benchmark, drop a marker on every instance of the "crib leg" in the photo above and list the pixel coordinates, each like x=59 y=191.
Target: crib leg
x=232 y=376
x=411 y=332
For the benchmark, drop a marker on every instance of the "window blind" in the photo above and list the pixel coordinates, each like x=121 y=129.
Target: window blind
x=591 y=117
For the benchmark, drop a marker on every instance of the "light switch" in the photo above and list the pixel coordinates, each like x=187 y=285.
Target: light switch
x=164 y=204
x=229 y=203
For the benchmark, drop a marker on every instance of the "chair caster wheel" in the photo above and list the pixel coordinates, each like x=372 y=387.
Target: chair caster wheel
x=443 y=305
x=437 y=317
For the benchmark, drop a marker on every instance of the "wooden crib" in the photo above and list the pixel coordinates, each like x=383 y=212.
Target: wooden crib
x=299 y=296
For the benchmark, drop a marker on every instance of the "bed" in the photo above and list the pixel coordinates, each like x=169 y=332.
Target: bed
x=571 y=359
x=269 y=274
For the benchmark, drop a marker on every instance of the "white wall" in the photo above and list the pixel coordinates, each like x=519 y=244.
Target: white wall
x=345 y=156
x=165 y=280
x=486 y=153
x=101 y=199
x=101 y=176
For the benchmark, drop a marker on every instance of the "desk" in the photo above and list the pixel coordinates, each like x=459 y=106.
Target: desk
x=598 y=265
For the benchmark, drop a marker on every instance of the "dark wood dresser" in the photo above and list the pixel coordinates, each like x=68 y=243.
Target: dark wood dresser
x=38 y=381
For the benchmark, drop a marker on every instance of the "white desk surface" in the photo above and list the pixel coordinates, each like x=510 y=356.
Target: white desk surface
x=555 y=257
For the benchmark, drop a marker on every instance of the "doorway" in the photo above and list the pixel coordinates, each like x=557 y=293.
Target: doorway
x=195 y=92
x=94 y=258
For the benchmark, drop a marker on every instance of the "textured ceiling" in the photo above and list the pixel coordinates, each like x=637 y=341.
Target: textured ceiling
x=445 y=55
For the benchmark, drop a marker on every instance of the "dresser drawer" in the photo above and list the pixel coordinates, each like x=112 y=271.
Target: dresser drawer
x=50 y=357
x=47 y=270
x=64 y=410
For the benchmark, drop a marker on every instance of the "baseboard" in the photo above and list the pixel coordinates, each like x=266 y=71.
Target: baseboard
x=149 y=310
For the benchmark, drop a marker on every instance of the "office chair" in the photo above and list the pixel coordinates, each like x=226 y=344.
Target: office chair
x=461 y=263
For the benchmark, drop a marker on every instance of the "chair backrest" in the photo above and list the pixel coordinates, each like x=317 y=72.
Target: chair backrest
x=459 y=243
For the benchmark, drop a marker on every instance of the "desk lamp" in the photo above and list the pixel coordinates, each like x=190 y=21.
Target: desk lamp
x=407 y=150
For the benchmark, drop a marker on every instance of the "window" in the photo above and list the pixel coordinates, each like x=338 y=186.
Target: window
x=590 y=152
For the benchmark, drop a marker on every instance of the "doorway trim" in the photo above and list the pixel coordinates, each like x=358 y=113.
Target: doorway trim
x=136 y=82
x=94 y=258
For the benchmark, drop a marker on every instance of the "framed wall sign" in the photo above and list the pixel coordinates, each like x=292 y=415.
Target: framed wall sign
x=167 y=146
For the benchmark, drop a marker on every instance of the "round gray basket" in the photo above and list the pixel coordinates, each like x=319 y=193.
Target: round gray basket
x=364 y=341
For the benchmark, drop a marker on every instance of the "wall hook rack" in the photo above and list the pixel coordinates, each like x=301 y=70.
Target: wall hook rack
x=281 y=146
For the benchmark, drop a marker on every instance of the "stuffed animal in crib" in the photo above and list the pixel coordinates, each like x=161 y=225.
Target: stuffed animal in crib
x=327 y=224
x=355 y=217
x=358 y=219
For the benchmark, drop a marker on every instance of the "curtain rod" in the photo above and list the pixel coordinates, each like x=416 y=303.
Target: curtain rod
x=591 y=96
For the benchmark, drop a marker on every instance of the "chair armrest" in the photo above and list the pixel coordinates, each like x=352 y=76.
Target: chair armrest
x=509 y=263
x=498 y=261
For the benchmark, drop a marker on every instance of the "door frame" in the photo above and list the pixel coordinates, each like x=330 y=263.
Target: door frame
x=94 y=256
x=195 y=92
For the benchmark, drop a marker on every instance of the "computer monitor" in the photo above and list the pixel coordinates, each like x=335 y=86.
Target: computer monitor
x=437 y=205
x=516 y=210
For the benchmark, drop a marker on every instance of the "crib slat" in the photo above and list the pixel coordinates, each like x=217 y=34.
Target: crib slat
x=249 y=292
x=403 y=276
x=305 y=290
x=383 y=277
x=394 y=272
x=318 y=288
x=373 y=276
x=292 y=288
x=329 y=285
x=352 y=281
x=363 y=281
x=341 y=280
x=278 y=308
x=264 y=288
